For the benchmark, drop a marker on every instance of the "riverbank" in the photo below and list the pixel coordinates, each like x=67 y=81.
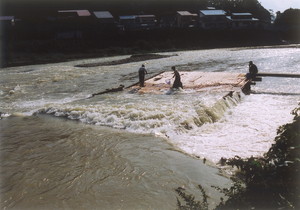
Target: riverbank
x=28 y=52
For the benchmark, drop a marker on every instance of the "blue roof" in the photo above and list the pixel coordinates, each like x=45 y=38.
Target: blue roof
x=213 y=12
x=103 y=14
x=7 y=17
x=244 y=14
x=129 y=17
x=242 y=19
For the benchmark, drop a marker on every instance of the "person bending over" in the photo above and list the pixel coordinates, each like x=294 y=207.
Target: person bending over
x=177 y=82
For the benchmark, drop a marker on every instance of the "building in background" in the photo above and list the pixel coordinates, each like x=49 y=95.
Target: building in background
x=243 y=21
x=146 y=22
x=104 y=17
x=73 y=24
x=185 y=19
x=167 y=20
x=137 y=22
x=127 y=22
x=104 y=23
x=213 y=19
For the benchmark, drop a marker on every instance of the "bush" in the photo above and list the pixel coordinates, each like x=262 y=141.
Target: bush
x=269 y=182
x=189 y=200
x=272 y=181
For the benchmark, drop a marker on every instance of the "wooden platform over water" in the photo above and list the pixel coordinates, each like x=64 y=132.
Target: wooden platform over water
x=196 y=81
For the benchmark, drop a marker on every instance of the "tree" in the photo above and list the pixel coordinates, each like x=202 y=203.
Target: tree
x=290 y=17
x=288 y=23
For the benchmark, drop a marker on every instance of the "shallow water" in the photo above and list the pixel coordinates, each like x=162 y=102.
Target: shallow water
x=61 y=149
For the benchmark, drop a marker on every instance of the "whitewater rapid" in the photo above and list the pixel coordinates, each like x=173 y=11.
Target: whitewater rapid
x=200 y=124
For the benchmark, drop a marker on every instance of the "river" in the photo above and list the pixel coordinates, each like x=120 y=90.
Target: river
x=61 y=149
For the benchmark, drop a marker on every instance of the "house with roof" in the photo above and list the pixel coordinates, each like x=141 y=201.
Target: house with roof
x=242 y=21
x=73 y=13
x=104 y=17
x=7 y=20
x=167 y=20
x=127 y=22
x=137 y=22
x=146 y=21
x=6 y=26
x=72 y=24
x=104 y=22
x=213 y=19
x=75 y=17
x=185 y=19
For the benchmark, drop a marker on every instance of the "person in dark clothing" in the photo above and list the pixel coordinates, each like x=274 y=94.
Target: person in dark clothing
x=252 y=71
x=142 y=72
x=177 y=82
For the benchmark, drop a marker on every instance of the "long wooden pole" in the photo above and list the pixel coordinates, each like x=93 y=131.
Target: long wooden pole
x=278 y=75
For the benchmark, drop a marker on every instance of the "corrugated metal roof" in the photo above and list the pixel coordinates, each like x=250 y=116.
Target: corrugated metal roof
x=184 y=13
x=244 y=14
x=128 y=17
x=83 y=13
x=66 y=11
x=103 y=14
x=242 y=19
x=79 y=12
x=145 y=16
x=213 y=12
x=7 y=17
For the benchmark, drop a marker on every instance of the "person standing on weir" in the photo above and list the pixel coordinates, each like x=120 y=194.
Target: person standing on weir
x=177 y=82
x=252 y=71
x=142 y=72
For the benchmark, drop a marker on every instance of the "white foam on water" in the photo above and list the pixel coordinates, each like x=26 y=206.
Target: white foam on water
x=175 y=117
x=200 y=124
x=246 y=130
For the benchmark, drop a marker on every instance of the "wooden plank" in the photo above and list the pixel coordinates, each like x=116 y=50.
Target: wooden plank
x=278 y=75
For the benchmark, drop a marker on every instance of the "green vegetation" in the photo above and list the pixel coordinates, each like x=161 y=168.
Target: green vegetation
x=189 y=200
x=269 y=182
x=288 y=23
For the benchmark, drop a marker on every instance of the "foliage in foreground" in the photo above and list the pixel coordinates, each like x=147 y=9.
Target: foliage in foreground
x=272 y=181
x=189 y=200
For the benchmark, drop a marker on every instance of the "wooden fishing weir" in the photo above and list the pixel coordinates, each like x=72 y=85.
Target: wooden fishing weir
x=222 y=82
x=197 y=81
x=259 y=76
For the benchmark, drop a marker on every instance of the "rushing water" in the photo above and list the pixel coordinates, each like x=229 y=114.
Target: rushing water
x=61 y=149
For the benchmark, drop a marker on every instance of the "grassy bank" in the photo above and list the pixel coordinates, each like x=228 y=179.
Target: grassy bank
x=269 y=182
